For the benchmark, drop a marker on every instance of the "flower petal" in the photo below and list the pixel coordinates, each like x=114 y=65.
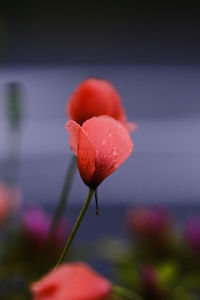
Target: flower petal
x=112 y=143
x=131 y=126
x=86 y=157
x=75 y=281
x=74 y=130
x=95 y=97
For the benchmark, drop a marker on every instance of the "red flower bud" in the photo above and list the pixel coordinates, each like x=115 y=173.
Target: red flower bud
x=72 y=281
x=101 y=144
x=96 y=97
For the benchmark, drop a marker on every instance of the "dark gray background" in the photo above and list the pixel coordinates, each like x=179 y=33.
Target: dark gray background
x=99 y=32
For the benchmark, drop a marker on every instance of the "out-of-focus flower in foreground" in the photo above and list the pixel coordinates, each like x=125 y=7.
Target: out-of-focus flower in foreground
x=149 y=222
x=101 y=144
x=36 y=225
x=72 y=281
x=95 y=97
x=192 y=234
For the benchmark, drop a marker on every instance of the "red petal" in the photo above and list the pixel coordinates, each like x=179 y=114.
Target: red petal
x=131 y=126
x=74 y=130
x=95 y=97
x=112 y=143
x=75 y=281
x=86 y=157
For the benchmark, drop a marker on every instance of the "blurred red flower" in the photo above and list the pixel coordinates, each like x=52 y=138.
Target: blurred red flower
x=149 y=222
x=5 y=202
x=101 y=144
x=72 y=281
x=95 y=97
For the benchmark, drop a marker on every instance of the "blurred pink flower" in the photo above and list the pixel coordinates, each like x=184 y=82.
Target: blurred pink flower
x=36 y=226
x=150 y=285
x=149 y=222
x=72 y=281
x=192 y=233
x=149 y=277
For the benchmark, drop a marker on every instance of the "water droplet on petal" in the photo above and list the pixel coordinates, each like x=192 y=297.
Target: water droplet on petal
x=114 y=153
x=103 y=165
x=103 y=142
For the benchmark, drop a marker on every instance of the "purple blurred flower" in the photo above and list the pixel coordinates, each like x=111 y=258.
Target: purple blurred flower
x=150 y=284
x=149 y=277
x=192 y=233
x=36 y=225
x=149 y=222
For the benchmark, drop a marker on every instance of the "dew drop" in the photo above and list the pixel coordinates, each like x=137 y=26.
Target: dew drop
x=110 y=134
x=114 y=153
x=103 y=142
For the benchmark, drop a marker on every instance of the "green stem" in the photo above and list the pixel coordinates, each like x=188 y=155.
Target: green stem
x=60 y=208
x=76 y=226
x=124 y=293
x=13 y=161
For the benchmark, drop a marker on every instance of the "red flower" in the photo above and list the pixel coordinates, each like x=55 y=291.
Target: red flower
x=72 y=281
x=96 y=97
x=101 y=144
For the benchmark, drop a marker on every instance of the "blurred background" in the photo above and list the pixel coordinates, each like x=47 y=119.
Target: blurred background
x=151 y=55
